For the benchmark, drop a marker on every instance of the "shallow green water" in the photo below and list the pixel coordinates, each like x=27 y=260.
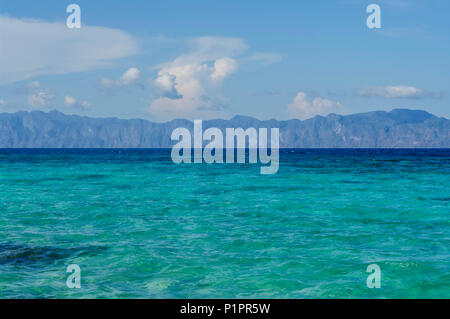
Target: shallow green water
x=140 y=226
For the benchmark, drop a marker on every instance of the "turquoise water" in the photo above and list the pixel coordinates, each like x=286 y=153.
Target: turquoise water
x=140 y=226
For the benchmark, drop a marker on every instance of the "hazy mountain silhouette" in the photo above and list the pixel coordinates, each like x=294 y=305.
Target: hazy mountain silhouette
x=400 y=128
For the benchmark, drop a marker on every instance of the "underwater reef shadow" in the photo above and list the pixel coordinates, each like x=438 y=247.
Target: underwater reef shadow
x=23 y=255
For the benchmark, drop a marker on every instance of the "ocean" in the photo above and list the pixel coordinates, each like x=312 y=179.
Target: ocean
x=140 y=226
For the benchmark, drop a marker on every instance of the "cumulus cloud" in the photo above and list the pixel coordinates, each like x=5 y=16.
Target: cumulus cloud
x=70 y=101
x=2 y=102
x=165 y=82
x=187 y=83
x=302 y=107
x=223 y=68
x=397 y=92
x=129 y=77
x=36 y=47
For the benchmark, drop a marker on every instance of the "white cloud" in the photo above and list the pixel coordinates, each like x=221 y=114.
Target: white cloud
x=70 y=101
x=396 y=91
x=2 y=102
x=36 y=47
x=303 y=108
x=223 y=68
x=85 y=104
x=38 y=97
x=187 y=83
x=402 y=91
x=165 y=82
x=32 y=95
x=211 y=48
x=129 y=77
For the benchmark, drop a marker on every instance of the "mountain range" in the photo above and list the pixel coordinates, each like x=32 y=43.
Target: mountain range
x=399 y=128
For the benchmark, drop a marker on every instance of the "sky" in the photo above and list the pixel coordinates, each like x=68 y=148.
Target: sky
x=161 y=60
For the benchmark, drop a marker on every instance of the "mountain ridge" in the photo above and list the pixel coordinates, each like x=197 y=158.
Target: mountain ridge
x=398 y=128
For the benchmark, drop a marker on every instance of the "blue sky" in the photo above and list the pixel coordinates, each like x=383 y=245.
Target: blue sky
x=161 y=60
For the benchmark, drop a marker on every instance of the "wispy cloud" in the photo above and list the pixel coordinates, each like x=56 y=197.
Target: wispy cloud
x=263 y=58
x=397 y=92
x=36 y=47
x=38 y=97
